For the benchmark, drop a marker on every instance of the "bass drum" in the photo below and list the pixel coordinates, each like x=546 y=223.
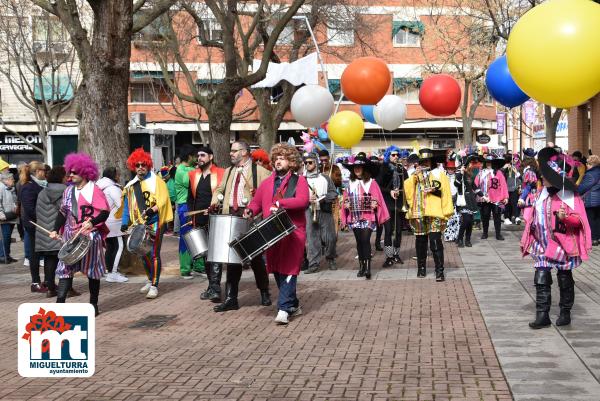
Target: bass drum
x=222 y=230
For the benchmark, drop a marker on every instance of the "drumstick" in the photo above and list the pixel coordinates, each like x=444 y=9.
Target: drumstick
x=187 y=224
x=187 y=214
x=43 y=229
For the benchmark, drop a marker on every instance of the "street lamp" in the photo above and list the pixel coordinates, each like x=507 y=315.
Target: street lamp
x=304 y=18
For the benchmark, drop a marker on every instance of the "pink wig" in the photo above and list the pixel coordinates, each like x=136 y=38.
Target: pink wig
x=82 y=164
x=139 y=156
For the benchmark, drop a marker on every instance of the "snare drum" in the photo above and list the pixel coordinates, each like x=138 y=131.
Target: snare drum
x=263 y=235
x=74 y=249
x=197 y=242
x=223 y=229
x=140 y=242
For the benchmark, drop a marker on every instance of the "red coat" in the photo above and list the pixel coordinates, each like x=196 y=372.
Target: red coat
x=286 y=256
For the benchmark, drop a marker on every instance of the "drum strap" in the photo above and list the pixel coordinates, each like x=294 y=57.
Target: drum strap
x=74 y=206
x=254 y=177
x=139 y=196
x=290 y=191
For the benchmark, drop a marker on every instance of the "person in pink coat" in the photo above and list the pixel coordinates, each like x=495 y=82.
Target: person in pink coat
x=287 y=190
x=364 y=208
x=492 y=193
x=557 y=236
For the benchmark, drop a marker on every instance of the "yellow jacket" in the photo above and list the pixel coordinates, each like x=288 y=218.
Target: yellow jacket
x=156 y=193
x=422 y=204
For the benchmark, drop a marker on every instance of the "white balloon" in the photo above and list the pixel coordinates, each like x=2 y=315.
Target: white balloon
x=390 y=112
x=312 y=105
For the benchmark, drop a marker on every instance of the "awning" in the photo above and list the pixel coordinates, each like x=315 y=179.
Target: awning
x=55 y=88
x=401 y=83
x=140 y=75
x=411 y=26
x=209 y=81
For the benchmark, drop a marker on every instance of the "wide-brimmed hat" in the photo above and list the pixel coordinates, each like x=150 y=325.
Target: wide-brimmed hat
x=473 y=157
x=361 y=159
x=425 y=154
x=555 y=169
x=529 y=152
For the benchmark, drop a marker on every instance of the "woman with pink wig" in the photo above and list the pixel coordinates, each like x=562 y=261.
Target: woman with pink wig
x=83 y=212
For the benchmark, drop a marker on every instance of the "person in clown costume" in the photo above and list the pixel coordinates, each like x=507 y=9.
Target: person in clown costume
x=146 y=201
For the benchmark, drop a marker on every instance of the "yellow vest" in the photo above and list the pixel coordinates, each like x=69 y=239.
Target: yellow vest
x=422 y=204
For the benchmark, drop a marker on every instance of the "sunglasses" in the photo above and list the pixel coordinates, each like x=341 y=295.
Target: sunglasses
x=310 y=162
x=394 y=154
x=138 y=165
x=72 y=172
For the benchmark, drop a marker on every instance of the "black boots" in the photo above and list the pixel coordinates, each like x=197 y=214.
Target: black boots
x=421 y=248
x=231 y=301
x=543 y=299
x=367 y=264
x=566 y=286
x=460 y=243
x=94 y=286
x=361 y=268
x=265 y=298
x=206 y=294
x=64 y=285
x=213 y=292
x=389 y=262
x=437 y=250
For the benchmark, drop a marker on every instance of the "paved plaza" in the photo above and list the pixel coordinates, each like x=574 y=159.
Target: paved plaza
x=395 y=337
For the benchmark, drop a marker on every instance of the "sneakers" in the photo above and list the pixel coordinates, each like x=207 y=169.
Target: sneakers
x=146 y=288
x=187 y=276
x=26 y=262
x=152 y=292
x=332 y=265
x=116 y=277
x=282 y=317
x=518 y=220
x=37 y=287
x=296 y=312
x=507 y=222
x=312 y=269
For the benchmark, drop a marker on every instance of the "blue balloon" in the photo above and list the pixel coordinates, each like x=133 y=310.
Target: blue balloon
x=501 y=85
x=319 y=145
x=322 y=134
x=367 y=112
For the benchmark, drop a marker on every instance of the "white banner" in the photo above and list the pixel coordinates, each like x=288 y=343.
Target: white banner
x=301 y=71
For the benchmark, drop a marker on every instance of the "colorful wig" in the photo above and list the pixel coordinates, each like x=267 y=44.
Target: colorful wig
x=388 y=151
x=139 y=156
x=83 y=165
x=262 y=156
x=289 y=152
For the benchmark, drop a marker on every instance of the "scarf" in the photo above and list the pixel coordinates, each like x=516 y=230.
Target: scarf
x=41 y=183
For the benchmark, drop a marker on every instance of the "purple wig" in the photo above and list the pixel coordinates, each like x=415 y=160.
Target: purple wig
x=83 y=165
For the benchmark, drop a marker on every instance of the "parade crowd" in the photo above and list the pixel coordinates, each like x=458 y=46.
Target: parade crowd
x=74 y=218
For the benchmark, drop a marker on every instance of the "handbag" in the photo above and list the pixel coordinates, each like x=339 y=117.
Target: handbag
x=460 y=198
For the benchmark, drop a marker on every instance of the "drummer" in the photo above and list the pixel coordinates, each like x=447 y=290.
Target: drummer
x=238 y=187
x=146 y=201
x=83 y=211
x=287 y=190
x=203 y=182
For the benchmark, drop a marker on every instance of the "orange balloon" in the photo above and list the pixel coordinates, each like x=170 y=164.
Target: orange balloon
x=366 y=80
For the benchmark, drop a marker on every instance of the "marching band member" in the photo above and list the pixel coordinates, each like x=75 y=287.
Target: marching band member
x=284 y=189
x=238 y=187
x=203 y=182
x=492 y=191
x=430 y=206
x=557 y=235
x=364 y=206
x=334 y=172
x=320 y=227
x=391 y=179
x=83 y=212
x=146 y=201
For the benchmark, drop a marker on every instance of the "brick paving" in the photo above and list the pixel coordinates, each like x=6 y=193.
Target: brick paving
x=357 y=340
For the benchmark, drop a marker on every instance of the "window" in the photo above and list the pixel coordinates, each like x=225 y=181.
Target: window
x=212 y=29
x=207 y=87
x=335 y=88
x=287 y=35
x=53 y=88
x=49 y=33
x=153 y=32
x=407 y=33
x=408 y=89
x=340 y=37
x=149 y=87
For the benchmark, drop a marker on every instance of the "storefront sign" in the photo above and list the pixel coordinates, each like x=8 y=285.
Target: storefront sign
x=484 y=139
x=14 y=144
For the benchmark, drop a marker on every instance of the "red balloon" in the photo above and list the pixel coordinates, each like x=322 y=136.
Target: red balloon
x=440 y=95
x=366 y=80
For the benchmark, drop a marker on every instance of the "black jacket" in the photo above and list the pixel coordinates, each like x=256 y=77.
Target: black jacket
x=28 y=195
x=385 y=180
x=470 y=196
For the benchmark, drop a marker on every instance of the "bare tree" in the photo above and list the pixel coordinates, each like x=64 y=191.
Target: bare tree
x=463 y=46
x=101 y=32
x=39 y=65
x=240 y=24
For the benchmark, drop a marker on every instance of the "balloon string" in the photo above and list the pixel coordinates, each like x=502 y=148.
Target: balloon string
x=337 y=106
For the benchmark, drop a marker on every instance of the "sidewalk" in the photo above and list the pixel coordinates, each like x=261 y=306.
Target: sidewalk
x=392 y=338
x=548 y=364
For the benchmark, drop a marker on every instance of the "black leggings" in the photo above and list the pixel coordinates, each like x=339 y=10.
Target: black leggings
x=114 y=249
x=466 y=226
x=34 y=261
x=389 y=230
x=363 y=242
x=50 y=263
x=488 y=209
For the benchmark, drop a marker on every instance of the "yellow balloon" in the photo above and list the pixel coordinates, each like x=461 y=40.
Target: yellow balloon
x=553 y=52
x=346 y=128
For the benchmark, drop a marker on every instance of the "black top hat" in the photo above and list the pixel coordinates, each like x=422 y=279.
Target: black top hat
x=412 y=158
x=425 y=154
x=529 y=152
x=554 y=168
x=361 y=159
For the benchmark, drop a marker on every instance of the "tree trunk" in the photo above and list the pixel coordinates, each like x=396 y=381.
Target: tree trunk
x=219 y=121
x=267 y=134
x=103 y=93
x=467 y=132
x=551 y=121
